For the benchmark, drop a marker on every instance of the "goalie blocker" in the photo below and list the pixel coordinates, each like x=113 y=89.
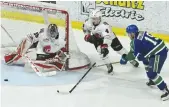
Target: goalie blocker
x=50 y=52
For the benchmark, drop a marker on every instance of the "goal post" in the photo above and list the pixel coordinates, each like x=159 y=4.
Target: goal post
x=32 y=13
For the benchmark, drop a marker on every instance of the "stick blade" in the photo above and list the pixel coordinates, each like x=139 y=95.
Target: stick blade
x=63 y=92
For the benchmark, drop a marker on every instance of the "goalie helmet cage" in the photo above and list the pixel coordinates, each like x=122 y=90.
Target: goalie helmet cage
x=56 y=14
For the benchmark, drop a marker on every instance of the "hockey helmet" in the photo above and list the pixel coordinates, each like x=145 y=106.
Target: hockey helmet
x=95 y=16
x=132 y=29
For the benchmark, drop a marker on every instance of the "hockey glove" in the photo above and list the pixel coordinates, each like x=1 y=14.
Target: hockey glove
x=88 y=38
x=123 y=59
x=104 y=49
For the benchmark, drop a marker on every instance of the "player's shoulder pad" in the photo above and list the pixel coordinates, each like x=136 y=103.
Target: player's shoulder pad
x=105 y=27
x=140 y=35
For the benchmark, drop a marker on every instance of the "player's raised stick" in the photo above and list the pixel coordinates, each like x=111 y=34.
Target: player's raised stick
x=78 y=81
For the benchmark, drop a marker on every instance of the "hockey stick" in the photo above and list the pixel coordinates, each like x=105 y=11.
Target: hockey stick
x=45 y=16
x=79 y=80
x=8 y=35
x=38 y=72
x=106 y=64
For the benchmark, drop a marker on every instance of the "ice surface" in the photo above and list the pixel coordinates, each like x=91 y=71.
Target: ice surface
x=126 y=88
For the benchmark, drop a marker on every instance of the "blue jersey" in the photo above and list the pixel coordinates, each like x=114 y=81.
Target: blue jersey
x=147 y=45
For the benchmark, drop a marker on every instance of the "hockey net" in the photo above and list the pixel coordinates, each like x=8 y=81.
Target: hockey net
x=33 y=12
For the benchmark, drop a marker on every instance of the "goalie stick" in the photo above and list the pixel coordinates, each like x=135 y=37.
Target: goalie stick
x=38 y=72
x=78 y=81
x=3 y=46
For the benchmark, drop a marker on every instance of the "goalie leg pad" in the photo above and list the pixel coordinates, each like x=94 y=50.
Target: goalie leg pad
x=21 y=50
x=11 y=58
x=47 y=67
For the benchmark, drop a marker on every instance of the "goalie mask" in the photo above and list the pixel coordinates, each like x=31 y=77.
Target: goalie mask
x=132 y=31
x=52 y=31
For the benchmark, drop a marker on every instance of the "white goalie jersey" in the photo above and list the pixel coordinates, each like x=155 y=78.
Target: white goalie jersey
x=45 y=45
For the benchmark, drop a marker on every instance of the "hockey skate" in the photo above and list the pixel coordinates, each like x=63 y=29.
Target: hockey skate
x=165 y=95
x=150 y=83
x=110 y=69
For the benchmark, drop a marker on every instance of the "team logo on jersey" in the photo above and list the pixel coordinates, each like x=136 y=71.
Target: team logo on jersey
x=47 y=48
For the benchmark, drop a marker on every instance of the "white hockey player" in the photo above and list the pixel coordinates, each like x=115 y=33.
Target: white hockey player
x=100 y=34
x=50 y=51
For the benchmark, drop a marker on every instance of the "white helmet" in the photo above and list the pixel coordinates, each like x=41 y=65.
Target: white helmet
x=96 y=16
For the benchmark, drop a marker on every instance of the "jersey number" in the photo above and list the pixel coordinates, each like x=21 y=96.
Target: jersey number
x=149 y=38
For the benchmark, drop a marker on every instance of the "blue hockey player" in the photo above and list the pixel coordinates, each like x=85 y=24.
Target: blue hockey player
x=152 y=52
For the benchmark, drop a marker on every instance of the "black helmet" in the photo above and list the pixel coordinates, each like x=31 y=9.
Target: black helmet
x=53 y=31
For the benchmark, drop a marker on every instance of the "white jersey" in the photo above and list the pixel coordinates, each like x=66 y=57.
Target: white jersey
x=46 y=45
x=103 y=29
